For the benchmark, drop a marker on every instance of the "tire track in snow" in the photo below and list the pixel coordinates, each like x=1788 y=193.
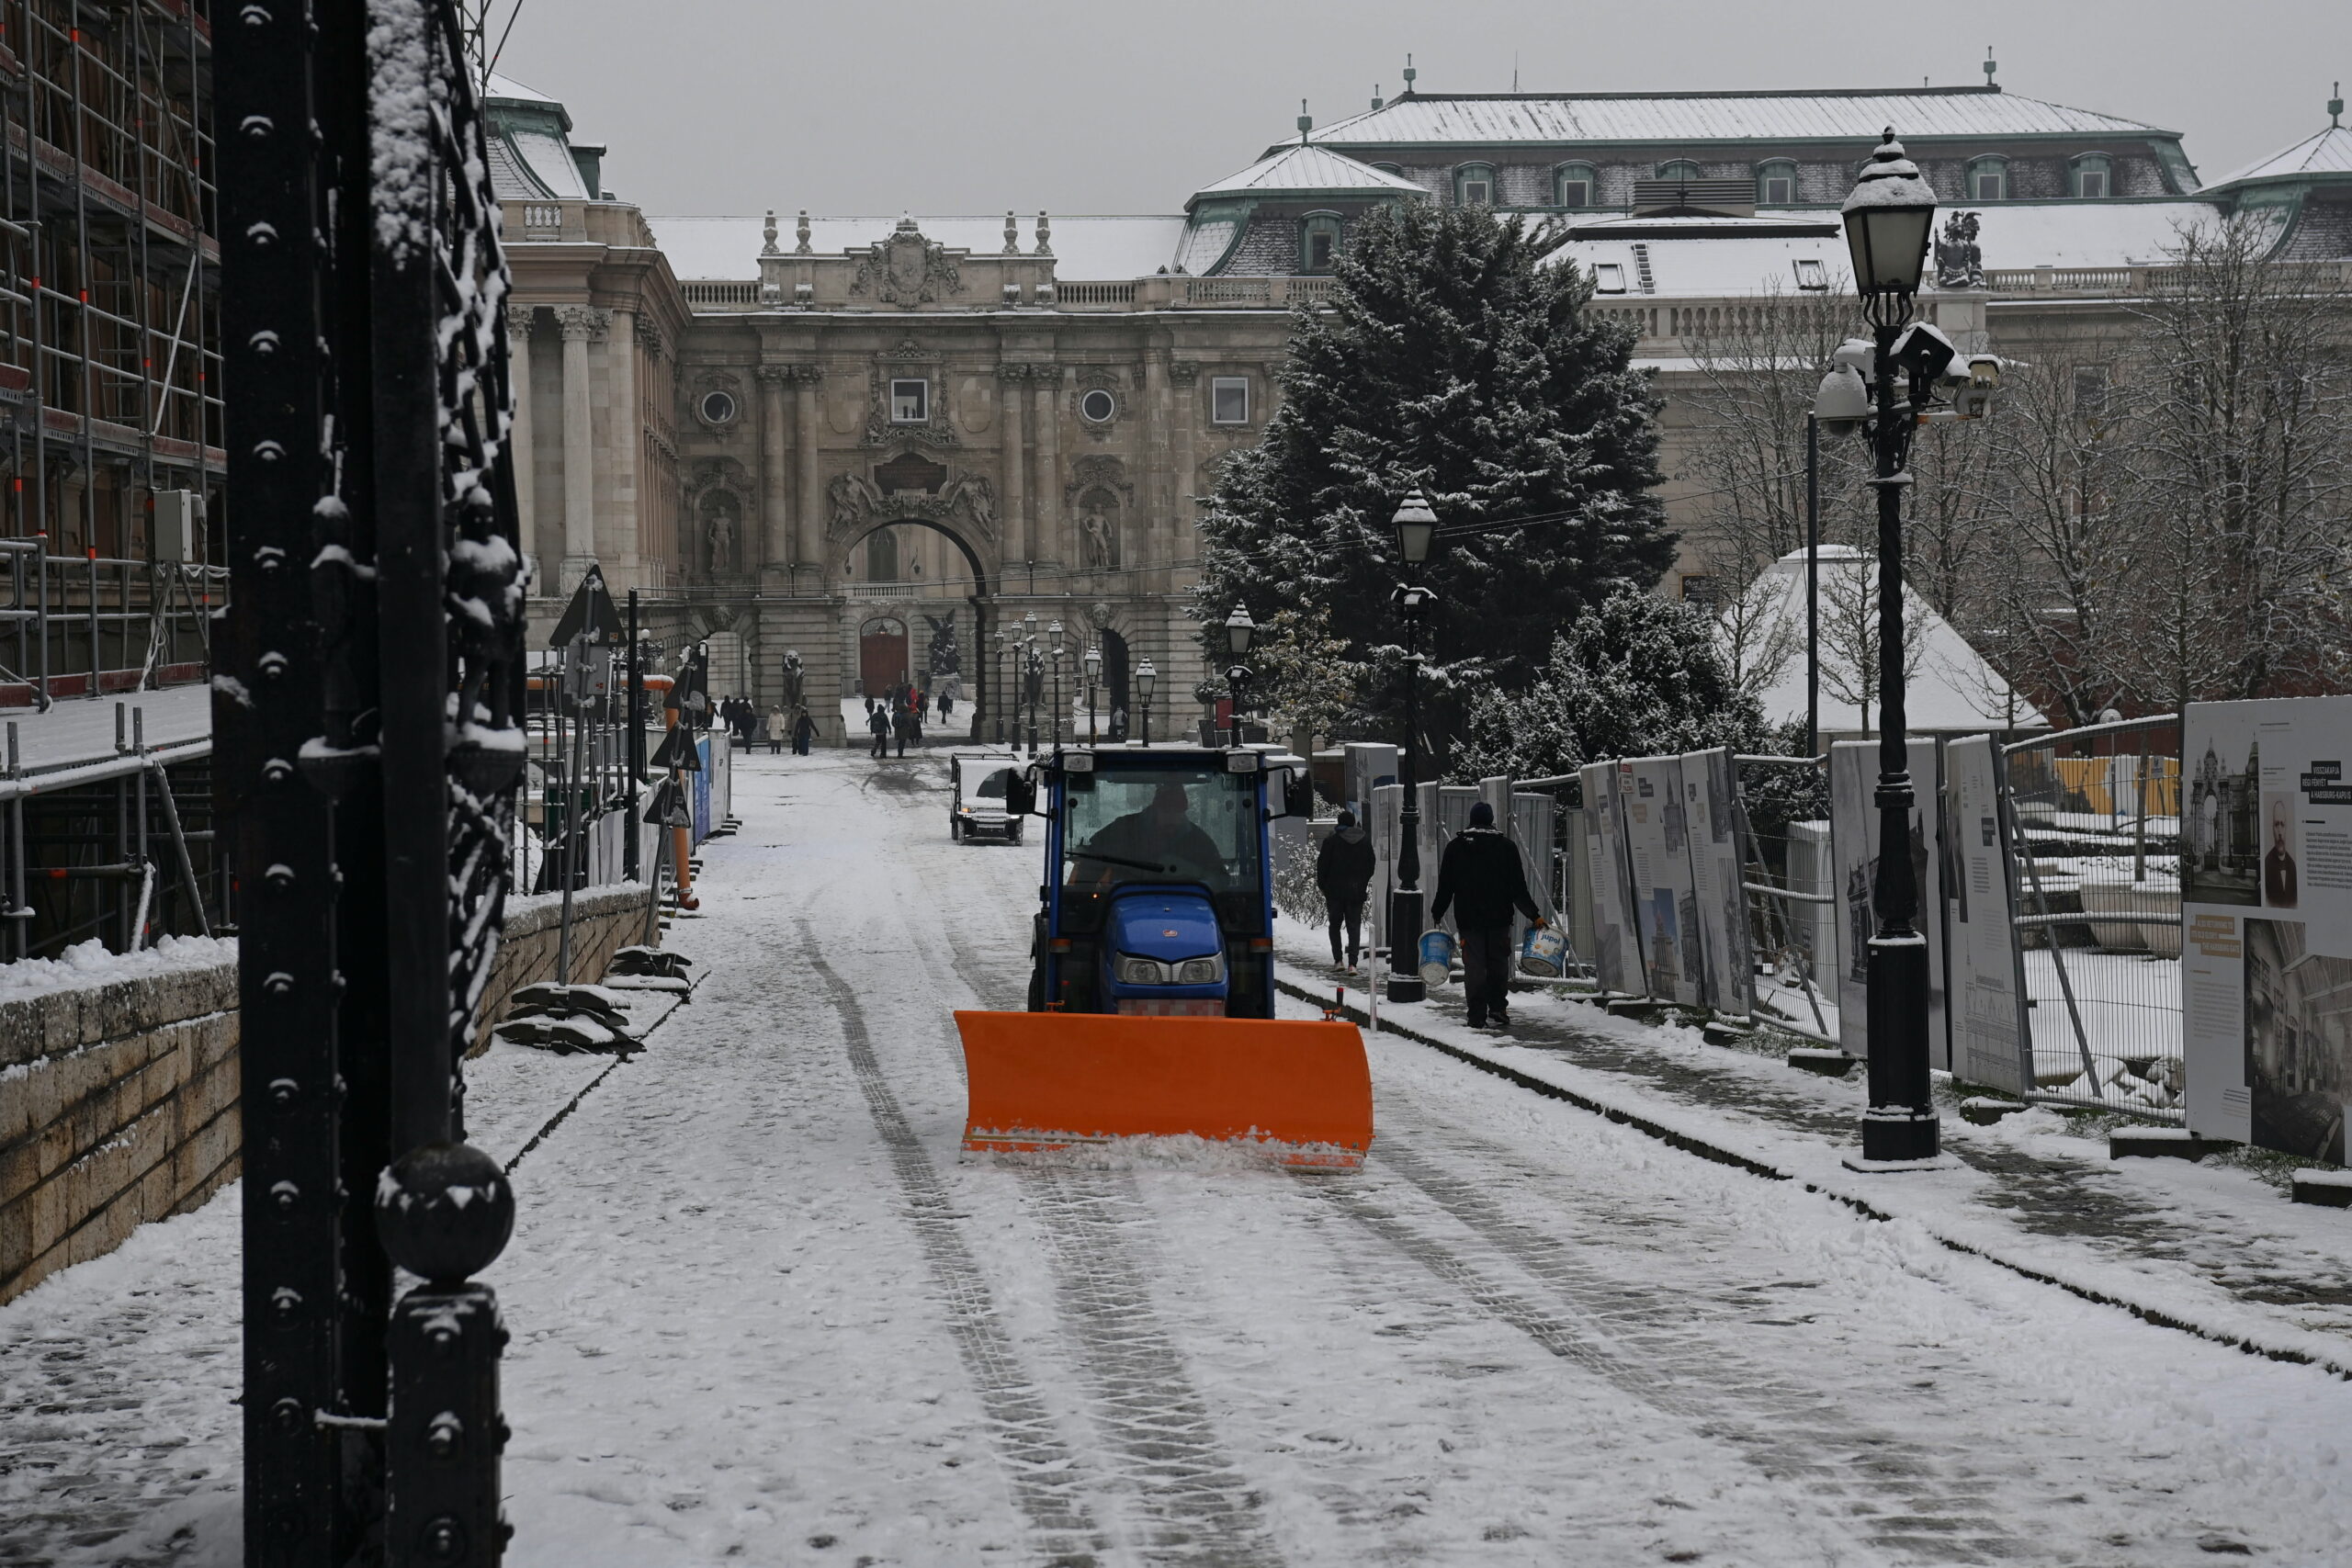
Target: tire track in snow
x=1043 y=1470
x=1201 y=1507
x=1614 y=1330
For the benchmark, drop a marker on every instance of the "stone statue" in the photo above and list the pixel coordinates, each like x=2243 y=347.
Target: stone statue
x=1959 y=263
x=854 y=499
x=1100 y=546
x=796 y=682
x=976 y=496
x=721 y=532
x=945 y=658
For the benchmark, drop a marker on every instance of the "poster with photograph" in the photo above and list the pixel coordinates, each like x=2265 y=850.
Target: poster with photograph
x=1658 y=850
x=1718 y=860
x=1854 y=848
x=1616 y=947
x=1990 y=1039
x=2265 y=877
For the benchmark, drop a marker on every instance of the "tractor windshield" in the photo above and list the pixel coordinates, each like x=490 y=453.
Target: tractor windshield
x=1167 y=825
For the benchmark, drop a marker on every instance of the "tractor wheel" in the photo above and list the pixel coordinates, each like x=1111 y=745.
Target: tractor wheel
x=1036 y=990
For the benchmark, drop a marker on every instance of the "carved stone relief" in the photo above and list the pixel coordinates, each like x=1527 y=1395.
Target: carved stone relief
x=963 y=499
x=907 y=270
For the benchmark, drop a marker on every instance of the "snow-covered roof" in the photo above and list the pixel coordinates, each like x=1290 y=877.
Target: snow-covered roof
x=1302 y=169
x=544 y=157
x=1952 y=689
x=508 y=89
x=1702 y=256
x=1918 y=113
x=2328 y=152
x=1110 y=246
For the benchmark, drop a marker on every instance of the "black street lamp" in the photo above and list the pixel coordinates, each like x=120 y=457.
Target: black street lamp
x=996 y=691
x=1094 y=662
x=1055 y=651
x=1888 y=218
x=1032 y=676
x=1145 y=678
x=1416 y=533
x=1239 y=629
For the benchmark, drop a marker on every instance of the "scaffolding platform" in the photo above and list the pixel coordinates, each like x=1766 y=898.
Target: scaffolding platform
x=80 y=741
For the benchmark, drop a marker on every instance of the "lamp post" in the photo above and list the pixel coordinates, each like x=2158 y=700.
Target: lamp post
x=1003 y=639
x=1239 y=629
x=1416 y=533
x=1094 y=662
x=1029 y=675
x=1888 y=218
x=1054 y=651
x=1145 y=678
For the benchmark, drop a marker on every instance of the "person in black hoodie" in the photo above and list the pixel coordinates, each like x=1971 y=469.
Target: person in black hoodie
x=1480 y=877
x=1343 y=873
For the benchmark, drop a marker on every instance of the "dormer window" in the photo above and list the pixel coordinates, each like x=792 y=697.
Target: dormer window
x=1575 y=185
x=1319 y=241
x=1812 y=274
x=1609 y=277
x=909 y=402
x=1988 y=179
x=1776 y=184
x=1474 y=184
x=2094 y=176
x=1682 y=170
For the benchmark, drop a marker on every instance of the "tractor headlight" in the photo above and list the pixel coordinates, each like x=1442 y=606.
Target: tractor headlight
x=1142 y=971
x=1201 y=971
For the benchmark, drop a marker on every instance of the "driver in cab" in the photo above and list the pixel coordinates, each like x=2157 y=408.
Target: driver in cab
x=1161 y=842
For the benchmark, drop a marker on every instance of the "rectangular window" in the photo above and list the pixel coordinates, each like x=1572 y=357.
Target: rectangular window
x=1318 y=248
x=1988 y=184
x=1229 y=399
x=1779 y=190
x=1477 y=193
x=1812 y=274
x=1576 y=193
x=909 y=402
x=1609 y=277
x=2094 y=185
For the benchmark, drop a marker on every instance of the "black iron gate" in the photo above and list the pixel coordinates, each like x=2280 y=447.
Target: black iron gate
x=366 y=708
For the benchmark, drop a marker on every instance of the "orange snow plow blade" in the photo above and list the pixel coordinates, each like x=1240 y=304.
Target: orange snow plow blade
x=1046 y=1080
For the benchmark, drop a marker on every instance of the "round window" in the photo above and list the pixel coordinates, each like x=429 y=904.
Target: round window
x=719 y=407
x=1097 y=405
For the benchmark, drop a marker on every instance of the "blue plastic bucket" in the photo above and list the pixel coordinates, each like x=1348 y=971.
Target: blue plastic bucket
x=1544 y=953
x=1437 y=957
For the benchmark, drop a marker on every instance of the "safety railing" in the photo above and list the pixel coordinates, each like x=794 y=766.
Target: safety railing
x=87 y=625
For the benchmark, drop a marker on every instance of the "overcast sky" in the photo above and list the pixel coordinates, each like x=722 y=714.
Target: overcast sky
x=974 y=106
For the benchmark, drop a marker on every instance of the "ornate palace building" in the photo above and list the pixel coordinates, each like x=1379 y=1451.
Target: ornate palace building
x=876 y=441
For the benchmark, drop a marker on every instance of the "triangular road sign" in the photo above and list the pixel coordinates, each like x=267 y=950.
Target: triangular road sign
x=591 y=611
x=677 y=751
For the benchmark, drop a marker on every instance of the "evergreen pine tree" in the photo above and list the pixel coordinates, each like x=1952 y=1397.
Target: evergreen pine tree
x=1451 y=361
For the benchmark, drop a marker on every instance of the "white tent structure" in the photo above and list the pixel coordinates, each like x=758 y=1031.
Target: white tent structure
x=1950 y=689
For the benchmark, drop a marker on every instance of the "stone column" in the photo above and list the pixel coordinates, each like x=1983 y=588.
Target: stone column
x=1159 y=521
x=1018 y=546
x=1185 y=375
x=624 y=522
x=581 y=324
x=1047 y=543
x=776 y=478
x=809 y=527
x=518 y=439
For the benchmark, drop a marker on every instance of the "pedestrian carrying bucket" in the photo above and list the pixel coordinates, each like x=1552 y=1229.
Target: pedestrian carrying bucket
x=1544 y=954
x=1049 y=1080
x=1437 y=957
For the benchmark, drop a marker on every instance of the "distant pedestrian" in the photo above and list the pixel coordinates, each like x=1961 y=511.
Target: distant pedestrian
x=909 y=727
x=947 y=705
x=1343 y=873
x=779 y=726
x=804 y=730
x=1481 y=879
x=879 y=723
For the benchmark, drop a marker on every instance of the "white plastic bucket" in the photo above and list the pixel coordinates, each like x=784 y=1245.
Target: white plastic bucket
x=1437 y=957
x=1544 y=953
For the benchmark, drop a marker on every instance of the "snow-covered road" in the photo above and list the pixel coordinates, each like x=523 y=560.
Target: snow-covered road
x=764 y=1311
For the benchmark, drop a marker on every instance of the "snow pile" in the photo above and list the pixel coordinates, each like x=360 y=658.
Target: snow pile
x=88 y=964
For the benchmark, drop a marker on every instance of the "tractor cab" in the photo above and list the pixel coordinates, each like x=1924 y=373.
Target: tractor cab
x=1157 y=899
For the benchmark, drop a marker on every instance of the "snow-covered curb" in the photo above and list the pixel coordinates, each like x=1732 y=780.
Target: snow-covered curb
x=1938 y=1202
x=88 y=964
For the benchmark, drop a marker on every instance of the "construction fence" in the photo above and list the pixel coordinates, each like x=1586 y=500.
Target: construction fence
x=1740 y=887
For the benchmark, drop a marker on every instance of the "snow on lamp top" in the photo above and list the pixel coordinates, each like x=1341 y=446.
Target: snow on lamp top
x=1887 y=220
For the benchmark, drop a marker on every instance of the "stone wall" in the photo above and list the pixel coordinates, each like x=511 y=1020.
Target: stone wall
x=117 y=1105
x=119 y=1101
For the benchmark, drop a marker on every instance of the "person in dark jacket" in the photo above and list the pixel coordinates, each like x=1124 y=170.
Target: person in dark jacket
x=804 y=730
x=877 y=719
x=1481 y=879
x=909 y=725
x=1343 y=873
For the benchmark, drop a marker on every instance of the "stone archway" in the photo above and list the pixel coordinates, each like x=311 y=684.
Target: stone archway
x=929 y=637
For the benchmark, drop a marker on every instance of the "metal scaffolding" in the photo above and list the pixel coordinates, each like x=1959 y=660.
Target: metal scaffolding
x=110 y=361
